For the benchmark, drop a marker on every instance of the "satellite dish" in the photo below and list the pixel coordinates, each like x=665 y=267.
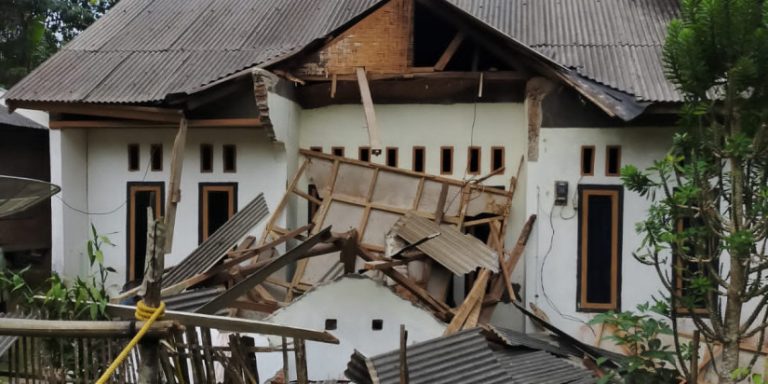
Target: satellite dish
x=18 y=193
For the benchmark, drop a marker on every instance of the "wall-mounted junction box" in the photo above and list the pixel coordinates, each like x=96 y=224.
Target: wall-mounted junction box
x=561 y=193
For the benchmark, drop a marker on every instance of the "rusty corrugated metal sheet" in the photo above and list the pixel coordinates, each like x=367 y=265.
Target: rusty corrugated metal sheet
x=143 y=50
x=212 y=250
x=454 y=250
x=191 y=300
x=614 y=42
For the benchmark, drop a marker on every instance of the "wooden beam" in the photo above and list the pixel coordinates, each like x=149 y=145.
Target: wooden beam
x=447 y=75
x=517 y=252
x=370 y=112
x=447 y=55
x=192 y=123
x=536 y=89
x=404 y=379
x=104 y=110
x=67 y=328
x=301 y=362
x=474 y=298
x=174 y=190
x=348 y=253
x=440 y=309
x=241 y=288
x=230 y=324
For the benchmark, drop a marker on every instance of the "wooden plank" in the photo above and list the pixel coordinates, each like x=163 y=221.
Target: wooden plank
x=224 y=323
x=474 y=316
x=447 y=55
x=301 y=361
x=257 y=277
x=439 y=308
x=281 y=205
x=348 y=253
x=79 y=329
x=474 y=297
x=514 y=257
x=285 y=359
x=440 y=209
x=174 y=189
x=430 y=74
x=114 y=111
x=192 y=123
x=370 y=112
x=198 y=372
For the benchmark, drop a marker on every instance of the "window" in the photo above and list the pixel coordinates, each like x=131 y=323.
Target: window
x=497 y=158
x=330 y=324
x=418 y=159
x=613 y=160
x=229 y=154
x=316 y=149
x=473 y=160
x=141 y=196
x=337 y=151
x=156 y=156
x=217 y=204
x=377 y=324
x=364 y=153
x=587 y=160
x=391 y=156
x=446 y=160
x=134 y=158
x=206 y=158
x=599 y=247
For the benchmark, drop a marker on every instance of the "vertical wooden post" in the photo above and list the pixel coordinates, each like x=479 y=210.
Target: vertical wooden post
x=536 y=90
x=694 y=371
x=285 y=360
x=174 y=187
x=301 y=361
x=370 y=112
x=403 y=355
x=149 y=346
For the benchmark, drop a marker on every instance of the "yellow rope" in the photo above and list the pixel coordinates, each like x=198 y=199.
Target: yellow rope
x=143 y=313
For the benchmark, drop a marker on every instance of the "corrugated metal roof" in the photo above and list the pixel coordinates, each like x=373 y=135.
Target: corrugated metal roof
x=458 y=252
x=614 y=42
x=213 y=249
x=519 y=339
x=462 y=358
x=526 y=366
x=16 y=120
x=143 y=50
x=191 y=300
x=467 y=357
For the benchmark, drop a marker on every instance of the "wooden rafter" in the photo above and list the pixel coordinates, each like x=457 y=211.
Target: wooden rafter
x=447 y=55
x=370 y=112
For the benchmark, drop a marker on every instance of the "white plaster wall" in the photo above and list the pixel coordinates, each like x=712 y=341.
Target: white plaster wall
x=260 y=168
x=354 y=302
x=559 y=159
x=433 y=126
x=284 y=115
x=68 y=158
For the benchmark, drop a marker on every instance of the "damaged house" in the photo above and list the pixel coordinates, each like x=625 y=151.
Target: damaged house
x=401 y=124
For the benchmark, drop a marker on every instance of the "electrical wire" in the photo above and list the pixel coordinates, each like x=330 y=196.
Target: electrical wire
x=541 y=274
x=117 y=208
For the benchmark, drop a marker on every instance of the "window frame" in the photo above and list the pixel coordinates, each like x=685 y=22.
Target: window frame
x=153 y=151
x=617 y=192
x=479 y=160
x=423 y=158
x=449 y=148
x=591 y=162
x=361 y=150
x=203 y=148
x=338 y=148
x=608 y=160
x=224 y=167
x=131 y=147
x=130 y=236
x=503 y=151
x=202 y=211
x=387 y=157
